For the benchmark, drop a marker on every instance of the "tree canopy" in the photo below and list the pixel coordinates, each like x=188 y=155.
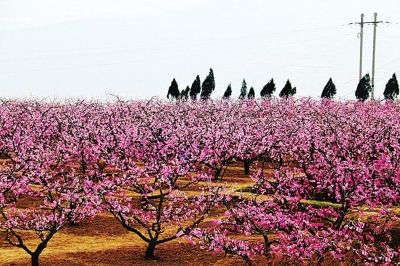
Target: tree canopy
x=392 y=88
x=208 y=85
x=243 y=90
x=173 y=90
x=196 y=88
x=268 y=89
x=251 y=94
x=287 y=91
x=228 y=92
x=329 y=90
x=363 y=88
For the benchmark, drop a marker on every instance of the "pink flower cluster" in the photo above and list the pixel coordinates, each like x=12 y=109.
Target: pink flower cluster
x=327 y=174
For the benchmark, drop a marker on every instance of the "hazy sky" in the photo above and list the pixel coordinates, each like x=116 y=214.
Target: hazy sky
x=131 y=48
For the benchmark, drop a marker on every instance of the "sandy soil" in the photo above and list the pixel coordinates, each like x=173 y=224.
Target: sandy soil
x=103 y=241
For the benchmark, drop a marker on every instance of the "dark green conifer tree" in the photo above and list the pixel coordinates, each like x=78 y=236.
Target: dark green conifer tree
x=251 y=94
x=208 y=86
x=185 y=94
x=173 y=90
x=268 y=89
x=287 y=91
x=243 y=90
x=195 y=89
x=329 y=90
x=228 y=92
x=392 y=88
x=363 y=88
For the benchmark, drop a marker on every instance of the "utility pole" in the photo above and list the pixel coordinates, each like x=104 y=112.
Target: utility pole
x=375 y=23
x=361 y=44
x=361 y=23
x=373 y=56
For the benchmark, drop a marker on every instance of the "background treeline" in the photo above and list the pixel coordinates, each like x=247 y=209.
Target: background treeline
x=205 y=89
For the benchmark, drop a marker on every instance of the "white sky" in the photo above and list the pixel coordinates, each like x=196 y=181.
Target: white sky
x=134 y=48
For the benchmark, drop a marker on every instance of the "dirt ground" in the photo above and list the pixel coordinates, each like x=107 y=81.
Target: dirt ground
x=103 y=241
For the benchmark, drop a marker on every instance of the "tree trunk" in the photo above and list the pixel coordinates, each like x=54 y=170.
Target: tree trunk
x=247 y=260
x=217 y=173
x=267 y=247
x=35 y=255
x=246 y=167
x=262 y=167
x=151 y=247
x=35 y=259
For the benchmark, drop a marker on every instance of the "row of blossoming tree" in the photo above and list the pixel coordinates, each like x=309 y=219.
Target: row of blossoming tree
x=326 y=175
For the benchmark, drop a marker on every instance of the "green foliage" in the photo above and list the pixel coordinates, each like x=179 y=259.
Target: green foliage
x=173 y=90
x=208 y=86
x=251 y=94
x=287 y=91
x=363 y=88
x=329 y=90
x=268 y=89
x=392 y=88
x=185 y=94
x=196 y=88
x=228 y=92
x=243 y=90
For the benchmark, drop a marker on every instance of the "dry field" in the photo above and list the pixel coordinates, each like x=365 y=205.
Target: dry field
x=103 y=241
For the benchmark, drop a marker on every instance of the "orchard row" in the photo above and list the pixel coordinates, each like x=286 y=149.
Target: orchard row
x=326 y=175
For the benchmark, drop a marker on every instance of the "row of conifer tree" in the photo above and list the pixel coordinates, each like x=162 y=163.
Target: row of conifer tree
x=363 y=91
